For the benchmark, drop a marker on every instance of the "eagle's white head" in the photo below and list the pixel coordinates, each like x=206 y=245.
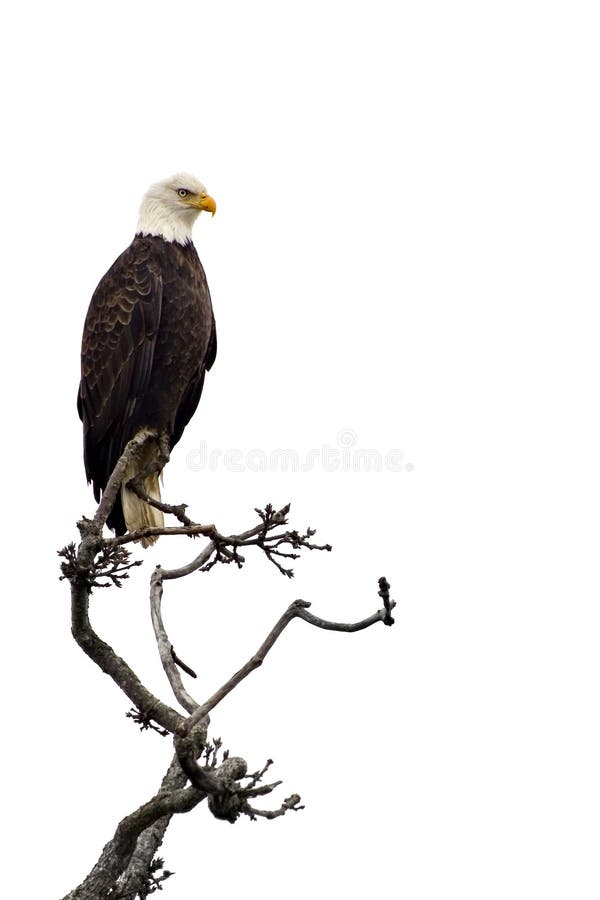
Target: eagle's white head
x=170 y=208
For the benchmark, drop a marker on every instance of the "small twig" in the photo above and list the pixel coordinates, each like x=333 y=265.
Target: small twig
x=291 y=803
x=384 y=593
x=178 y=510
x=181 y=664
x=257 y=776
x=217 y=539
x=211 y=752
x=145 y=722
x=262 y=790
x=225 y=556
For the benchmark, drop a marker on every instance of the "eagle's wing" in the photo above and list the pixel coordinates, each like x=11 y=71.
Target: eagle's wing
x=191 y=397
x=119 y=339
x=211 y=353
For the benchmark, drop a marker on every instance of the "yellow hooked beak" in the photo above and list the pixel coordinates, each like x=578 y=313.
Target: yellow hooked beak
x=204 y=202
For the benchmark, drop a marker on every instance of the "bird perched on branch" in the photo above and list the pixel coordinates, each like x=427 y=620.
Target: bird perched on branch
x=148 y=339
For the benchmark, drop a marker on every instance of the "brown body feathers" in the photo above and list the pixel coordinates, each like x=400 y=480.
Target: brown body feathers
x=148 y=339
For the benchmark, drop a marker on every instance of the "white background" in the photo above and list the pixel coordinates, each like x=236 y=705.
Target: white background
x=405 y=246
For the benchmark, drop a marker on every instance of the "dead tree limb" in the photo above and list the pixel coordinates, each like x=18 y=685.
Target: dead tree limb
x=297 y=610
x=128 y=866
x=165 y=647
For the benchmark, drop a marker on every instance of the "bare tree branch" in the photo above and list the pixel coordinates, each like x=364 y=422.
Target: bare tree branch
x=118 y=852
x=298 y=609
x=292 y=802
x=165 y=648
x=134 y=878
x=210 y=531
x=105 y=657
x=128 y=866
x=178 y=510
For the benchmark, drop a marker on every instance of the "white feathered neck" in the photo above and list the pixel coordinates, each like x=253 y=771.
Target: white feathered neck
x=164 y=214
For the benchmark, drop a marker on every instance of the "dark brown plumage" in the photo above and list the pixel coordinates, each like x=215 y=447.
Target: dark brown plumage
x=148 y=339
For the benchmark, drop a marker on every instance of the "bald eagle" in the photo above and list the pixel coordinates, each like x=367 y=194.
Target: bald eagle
x=148 y=339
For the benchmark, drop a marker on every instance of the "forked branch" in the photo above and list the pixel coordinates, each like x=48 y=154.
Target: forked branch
x=296 y=610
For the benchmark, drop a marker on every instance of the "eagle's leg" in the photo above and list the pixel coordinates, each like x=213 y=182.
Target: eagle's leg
x=142 y=480
x=164 y=449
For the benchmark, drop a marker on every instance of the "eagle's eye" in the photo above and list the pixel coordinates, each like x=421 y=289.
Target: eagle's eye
x=183 y=192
